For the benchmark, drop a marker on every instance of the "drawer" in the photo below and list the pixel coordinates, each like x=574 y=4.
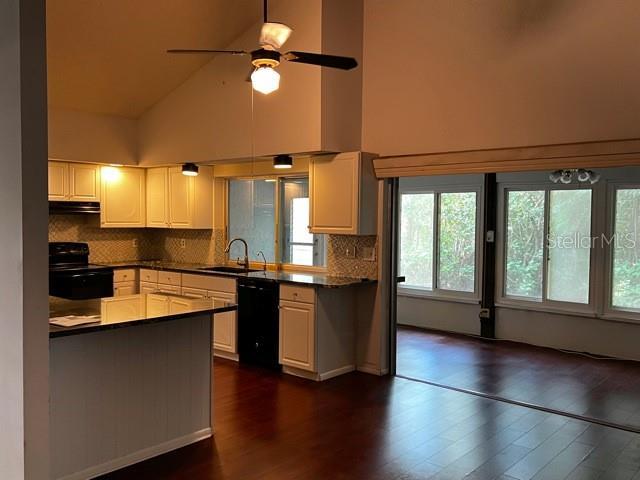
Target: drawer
x=124 y=275
x=148 y=287
x=173 y=289
x=194 y=292
x=169 y=278
x=295 y=293
x=209 y=282
x=148 y=275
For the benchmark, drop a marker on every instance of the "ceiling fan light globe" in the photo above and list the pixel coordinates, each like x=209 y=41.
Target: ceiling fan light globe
x=265 y=80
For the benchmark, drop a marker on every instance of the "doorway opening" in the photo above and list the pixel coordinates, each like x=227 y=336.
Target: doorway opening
x=497 y=291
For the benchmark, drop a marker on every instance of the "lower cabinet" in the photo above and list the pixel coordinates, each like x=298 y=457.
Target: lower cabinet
x=225 y=326
x=125 y=282
x=298 y=335
x=317 y=331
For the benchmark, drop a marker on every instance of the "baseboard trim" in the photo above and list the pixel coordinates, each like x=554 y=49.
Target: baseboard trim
x=372 y=370
x=301 y=373
x=228 y=355
x=337 y=372
x=139 y=456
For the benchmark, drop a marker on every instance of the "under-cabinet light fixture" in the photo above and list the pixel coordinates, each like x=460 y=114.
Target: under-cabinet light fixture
x=282 y=161
x=190 y=169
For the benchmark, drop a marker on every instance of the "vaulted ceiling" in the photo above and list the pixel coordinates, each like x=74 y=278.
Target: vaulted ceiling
x=108 y=56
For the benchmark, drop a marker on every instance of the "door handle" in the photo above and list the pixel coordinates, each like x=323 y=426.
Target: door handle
x=401 y=279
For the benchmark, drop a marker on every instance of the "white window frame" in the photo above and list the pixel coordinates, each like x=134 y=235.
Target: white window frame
x=278 y=212
x=438 y=293
x=544 y=304
x=609 y=311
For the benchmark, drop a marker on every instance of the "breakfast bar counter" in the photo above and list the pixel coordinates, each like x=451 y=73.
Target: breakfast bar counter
x=130 y=378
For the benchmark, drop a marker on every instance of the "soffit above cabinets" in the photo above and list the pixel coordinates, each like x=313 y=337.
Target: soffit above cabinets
x=109 y=57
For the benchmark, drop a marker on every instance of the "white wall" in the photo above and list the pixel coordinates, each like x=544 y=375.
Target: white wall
x=92 y=137
x=209 y=117
x=438 y=314
x=24 y=339
x=442 y=76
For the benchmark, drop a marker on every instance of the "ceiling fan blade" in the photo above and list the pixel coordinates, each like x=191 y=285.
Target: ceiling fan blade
x=199 y=50
x=274 y=34
x=332 y=61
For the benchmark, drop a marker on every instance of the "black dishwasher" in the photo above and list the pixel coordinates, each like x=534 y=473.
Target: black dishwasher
x=258 y=322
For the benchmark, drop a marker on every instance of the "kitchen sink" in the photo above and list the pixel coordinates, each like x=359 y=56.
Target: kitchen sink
x=227 y=269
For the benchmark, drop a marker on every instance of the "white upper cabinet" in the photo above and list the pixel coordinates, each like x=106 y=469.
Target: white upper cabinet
x=58 y=181
x=343 y=194
x=84 y=182
x=123 y=202
x=157 y=197
x=74 y=182
x=178 y=201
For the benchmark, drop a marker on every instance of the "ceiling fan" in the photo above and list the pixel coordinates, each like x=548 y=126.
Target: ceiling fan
x=264 y=77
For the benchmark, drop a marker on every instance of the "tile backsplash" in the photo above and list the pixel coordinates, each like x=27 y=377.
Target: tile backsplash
x=339 y=264
x=105 y=244
x=200 y=246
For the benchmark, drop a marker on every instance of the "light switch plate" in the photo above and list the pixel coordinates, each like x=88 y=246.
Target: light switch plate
x=350 y=252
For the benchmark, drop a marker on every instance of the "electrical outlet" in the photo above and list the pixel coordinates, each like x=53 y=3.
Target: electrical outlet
x=368 y=254
x=135 y=243
x=183 y=243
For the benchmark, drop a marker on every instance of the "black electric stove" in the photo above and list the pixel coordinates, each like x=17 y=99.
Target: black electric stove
x=72 y=276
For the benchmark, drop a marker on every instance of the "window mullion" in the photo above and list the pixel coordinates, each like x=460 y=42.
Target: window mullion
x=436 y=241
x=545 y=246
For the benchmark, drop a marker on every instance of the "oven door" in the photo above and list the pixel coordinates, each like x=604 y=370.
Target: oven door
x=78 y=285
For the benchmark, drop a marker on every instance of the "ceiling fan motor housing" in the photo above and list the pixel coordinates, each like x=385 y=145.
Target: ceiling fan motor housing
x=265 y=58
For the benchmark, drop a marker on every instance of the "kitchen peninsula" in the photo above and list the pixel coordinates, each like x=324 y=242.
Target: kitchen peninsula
x=134 y=383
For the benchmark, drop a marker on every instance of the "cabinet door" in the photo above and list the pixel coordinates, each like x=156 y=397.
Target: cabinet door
x=124 y=288
x=180 y=199
x=121 y=309
x=122 y=197
x=297 y=335
x=157 y=305
x=84 y=182
x=58 y=181
x=334 y=190
x=225 y=326
x=157 y=198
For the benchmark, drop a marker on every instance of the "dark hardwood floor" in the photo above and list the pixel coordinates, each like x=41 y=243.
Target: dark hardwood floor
x=607 y=390
x=358 y=426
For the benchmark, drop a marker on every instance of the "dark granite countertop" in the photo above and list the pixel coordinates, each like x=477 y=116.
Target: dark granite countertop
x=129 y=310
x=282 y=276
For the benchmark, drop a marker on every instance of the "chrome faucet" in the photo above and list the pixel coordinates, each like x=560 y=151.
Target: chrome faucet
x=264 y=266
x=243 y=263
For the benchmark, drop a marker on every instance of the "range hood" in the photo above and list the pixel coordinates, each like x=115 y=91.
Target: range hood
x=66 y=208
